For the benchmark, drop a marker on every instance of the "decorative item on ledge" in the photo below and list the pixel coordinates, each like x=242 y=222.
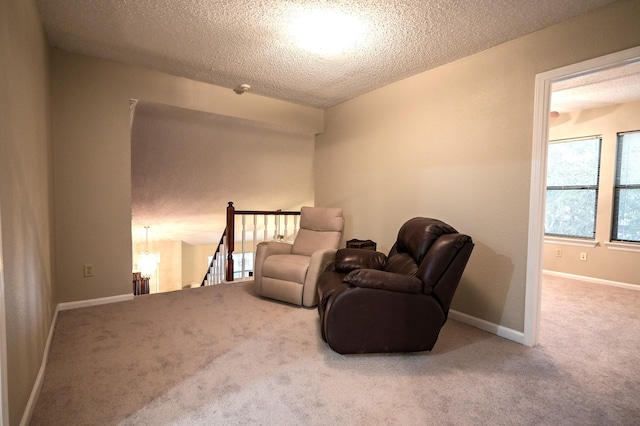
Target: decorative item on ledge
x=140 y=284
x=362 y=244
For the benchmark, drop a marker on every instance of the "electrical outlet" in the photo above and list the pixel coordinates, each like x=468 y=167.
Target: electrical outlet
x=558 y=252
x=88 y=270
x=583 y=256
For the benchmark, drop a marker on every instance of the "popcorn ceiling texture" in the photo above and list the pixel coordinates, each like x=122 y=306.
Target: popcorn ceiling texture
x=230 y=42
x=227 y=43
x=613 y=86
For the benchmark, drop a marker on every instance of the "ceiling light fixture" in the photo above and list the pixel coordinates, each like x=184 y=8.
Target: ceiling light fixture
x=327 y=31
x=147 y=261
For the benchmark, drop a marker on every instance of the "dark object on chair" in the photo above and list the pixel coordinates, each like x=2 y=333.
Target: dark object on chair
x=371 y=303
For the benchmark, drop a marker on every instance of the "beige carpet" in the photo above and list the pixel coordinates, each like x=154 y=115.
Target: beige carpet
x=222 y=356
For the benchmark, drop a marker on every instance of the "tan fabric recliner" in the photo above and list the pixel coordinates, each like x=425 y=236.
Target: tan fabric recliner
x=288 y=272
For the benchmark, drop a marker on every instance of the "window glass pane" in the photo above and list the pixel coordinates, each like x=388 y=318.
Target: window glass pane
x=571 y=213
x=628 y=215
x=573 y=169
x=629 y=160
x=626 y=209
x=573 y=162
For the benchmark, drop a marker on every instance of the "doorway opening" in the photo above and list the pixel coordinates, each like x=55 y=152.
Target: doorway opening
x=542 y=101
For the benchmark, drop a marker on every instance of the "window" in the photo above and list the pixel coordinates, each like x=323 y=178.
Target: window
x=573 y=172
x=626 y=205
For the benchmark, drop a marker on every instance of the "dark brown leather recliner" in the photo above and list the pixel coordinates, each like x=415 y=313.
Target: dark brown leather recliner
x=371 y=303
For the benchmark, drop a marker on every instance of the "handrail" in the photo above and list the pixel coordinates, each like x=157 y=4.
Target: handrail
x=230 y=231
x=228 y=237
x=267 y=212
x=214 y=258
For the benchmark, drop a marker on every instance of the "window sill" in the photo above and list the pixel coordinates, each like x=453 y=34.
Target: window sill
x=570 y=241
x=614 y=245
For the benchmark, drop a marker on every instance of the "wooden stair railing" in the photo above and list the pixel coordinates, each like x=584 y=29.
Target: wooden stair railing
x=208 y=276
x=227 y=241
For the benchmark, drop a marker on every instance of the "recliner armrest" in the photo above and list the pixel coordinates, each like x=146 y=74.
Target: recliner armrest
x=263 y=250
x=318 y=264
x=382 y=280
x=273 y=247
x=348 y=260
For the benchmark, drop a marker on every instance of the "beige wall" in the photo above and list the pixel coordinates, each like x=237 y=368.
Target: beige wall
x=602 y=262
x=194 y=262
x=452 y=143
x=25 y=197
x=455 y=143
x=188 y=165
x=170 y=267
x=91 y=135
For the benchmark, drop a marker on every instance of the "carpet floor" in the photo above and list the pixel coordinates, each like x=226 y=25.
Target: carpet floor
x=220 y=355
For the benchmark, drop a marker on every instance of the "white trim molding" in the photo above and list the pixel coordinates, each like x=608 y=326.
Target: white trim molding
x=570 y=241
x=498 y=330
x=35 y=391
x=4 y=387
x=94 y=302
x=616 y=245
x=593 y=280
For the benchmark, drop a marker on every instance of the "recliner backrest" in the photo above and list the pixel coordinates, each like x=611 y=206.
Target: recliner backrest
x=400 y=263
x=433 y=251
x=320 y=228
x=415 y=238
x=442 y=267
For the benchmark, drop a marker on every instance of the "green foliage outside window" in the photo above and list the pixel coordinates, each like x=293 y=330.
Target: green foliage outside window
x=573 y=171
x=626 y=217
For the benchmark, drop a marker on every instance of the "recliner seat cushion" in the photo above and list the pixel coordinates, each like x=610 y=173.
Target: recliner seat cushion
x=287 y=267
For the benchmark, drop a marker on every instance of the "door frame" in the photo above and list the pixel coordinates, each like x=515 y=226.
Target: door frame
x=4 y=395
x=537 y=193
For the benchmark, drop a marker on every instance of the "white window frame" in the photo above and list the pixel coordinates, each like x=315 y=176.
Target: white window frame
x=616 y=243
x=594 y=187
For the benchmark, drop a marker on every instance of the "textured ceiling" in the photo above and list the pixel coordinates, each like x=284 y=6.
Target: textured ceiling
x=227 y=43
x=613 y=86
x=230 y=42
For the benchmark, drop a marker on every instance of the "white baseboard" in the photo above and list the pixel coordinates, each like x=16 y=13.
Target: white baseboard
x=592 y=280
x=28 y=411
x=499 y=330
x=93 y=302
x=518 y=336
